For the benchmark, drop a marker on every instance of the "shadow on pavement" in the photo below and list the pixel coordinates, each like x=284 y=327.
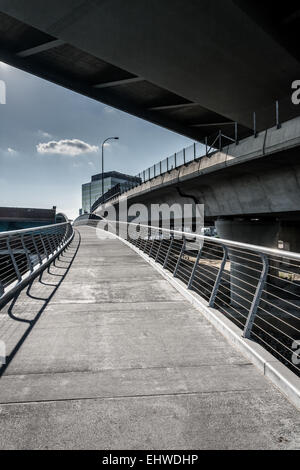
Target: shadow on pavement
x=19 y=316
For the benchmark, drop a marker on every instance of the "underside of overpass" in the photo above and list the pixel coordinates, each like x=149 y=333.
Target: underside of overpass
x=193 y=67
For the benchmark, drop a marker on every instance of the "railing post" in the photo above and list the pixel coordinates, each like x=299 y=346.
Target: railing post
x=44 y=246
x=49 y=242
x=184 y=162
x=220 y=141
x=236 y=133
x=55 y=236
x=54 y=241
x=257 y=297
x=180 y=256
x=29 y=263
x=254 y=124
x=194 y=150
x=147 y=242
x=175 y=160
x=13 y=259
x=169 y=250
x=278 y=125
x=160 y=167
x=139 y=239
x=36 y=248
x=167 y=163
x=206 y=146
x=218 y=278
x=189 y=286
x=152 y=245
x=64 y=236
x=156 y=257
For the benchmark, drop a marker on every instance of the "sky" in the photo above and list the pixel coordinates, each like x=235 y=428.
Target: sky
x=50 y=143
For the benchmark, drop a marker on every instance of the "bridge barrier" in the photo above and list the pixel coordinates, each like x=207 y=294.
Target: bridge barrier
x=24 y=253
x=256 y=288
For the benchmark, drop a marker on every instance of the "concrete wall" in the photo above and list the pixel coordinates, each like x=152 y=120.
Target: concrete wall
x=258 y=176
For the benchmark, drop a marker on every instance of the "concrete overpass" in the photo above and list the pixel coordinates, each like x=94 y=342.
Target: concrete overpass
x=256 y=179
x=193 y=67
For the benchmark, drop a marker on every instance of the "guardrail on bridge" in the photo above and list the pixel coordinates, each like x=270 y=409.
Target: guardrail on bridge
x=25 y=252
x=257 y=288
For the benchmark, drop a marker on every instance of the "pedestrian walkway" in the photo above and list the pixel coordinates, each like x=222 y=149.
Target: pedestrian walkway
x=105 y=354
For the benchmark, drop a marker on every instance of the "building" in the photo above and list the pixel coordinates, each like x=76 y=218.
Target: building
x=93 y=190
x=17 y=218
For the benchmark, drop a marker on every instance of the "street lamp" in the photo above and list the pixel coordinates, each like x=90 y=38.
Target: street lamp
x=104 y=141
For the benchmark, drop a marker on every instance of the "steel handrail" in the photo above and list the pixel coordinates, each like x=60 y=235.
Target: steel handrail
x=222 y=241
x=30 y=229
x=238 y=279
x=26 y=252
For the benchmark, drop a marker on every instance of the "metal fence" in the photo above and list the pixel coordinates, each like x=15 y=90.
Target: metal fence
x=257 y=288
x=211 y=144
x=23 y=252
x=194 y=152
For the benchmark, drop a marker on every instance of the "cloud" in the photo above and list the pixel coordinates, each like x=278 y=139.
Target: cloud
x=70 y=147
x=12 y=151
x=44 y=134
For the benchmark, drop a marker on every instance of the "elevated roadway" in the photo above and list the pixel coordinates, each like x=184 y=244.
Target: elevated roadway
x=251 y=190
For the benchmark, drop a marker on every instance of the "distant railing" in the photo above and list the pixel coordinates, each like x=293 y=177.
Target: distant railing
x=196 y=151
x=212 y=144
x=257 y=288
x=115 y=191
x=24 y=252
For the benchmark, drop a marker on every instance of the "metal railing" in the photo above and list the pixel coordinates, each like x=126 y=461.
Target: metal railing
x=257 y=288
x=211 y=144
x=115 y=191
x=24 y=252
x=194 y=152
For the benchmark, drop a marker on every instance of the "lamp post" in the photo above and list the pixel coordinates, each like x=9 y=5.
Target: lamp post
x=104 y=141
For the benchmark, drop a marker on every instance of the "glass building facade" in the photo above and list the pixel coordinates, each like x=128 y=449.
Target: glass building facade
x=93 y=190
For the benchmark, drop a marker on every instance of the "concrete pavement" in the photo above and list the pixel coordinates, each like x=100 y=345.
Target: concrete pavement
x=105 y=353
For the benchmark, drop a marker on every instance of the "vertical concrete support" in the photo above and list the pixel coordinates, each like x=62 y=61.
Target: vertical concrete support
x=246 y=268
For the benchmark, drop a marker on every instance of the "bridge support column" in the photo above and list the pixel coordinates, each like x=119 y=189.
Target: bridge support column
x=245 y=268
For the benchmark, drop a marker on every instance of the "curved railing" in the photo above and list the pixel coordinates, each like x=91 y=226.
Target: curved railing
x=256 y=287
x=25 y=252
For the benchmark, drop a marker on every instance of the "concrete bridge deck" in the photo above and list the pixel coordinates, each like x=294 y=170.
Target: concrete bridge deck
x=104 y=353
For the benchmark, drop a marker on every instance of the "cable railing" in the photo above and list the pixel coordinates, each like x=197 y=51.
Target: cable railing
x=257 y=288
x=24 y=252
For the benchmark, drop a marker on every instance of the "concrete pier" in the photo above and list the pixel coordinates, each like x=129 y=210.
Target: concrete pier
x=103 y=353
